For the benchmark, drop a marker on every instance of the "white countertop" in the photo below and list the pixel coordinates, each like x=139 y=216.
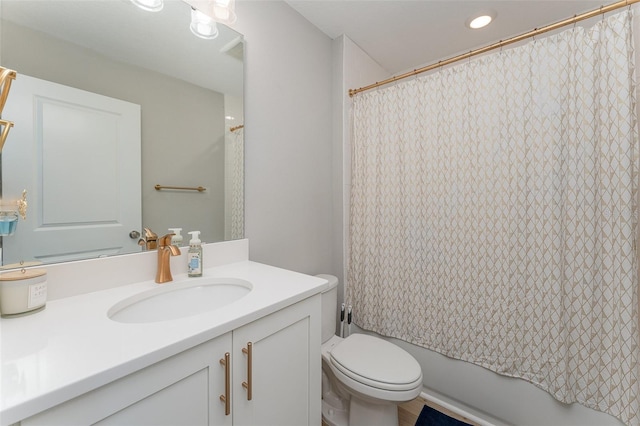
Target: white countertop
x=72 y=347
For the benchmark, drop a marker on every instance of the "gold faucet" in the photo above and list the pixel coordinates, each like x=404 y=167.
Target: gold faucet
x=150 y=240
x=165 y=251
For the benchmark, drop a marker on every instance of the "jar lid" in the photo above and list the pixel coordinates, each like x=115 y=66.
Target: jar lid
x=22 y=274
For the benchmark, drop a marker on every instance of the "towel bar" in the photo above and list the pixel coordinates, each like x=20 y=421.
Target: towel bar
x=183 y=188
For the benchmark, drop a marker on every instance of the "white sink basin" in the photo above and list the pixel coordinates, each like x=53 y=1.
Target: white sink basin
x=179 y=299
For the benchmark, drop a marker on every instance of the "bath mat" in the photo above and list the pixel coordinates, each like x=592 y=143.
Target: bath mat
x=431 y=417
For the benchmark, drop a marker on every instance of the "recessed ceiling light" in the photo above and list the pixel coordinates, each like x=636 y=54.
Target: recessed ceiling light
x=481 y=20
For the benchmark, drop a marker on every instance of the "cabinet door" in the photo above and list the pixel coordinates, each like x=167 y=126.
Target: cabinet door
x=182 y=390
x=285 y=368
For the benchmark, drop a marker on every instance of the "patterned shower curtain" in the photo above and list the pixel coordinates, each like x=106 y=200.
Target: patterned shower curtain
x=236 y=163
x=234 y=184
x=494 y=216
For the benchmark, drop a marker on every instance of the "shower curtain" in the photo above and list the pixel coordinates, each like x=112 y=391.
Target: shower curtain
x=493 y=214
x=234 y=184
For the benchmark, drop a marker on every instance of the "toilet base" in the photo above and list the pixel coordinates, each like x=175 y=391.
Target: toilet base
x=334 y=416
x=363 y=413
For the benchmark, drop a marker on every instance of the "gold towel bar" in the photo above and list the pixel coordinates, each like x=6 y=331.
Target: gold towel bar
x=184 y=188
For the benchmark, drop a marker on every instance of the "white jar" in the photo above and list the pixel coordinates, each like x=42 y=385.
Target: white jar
x=22 y=291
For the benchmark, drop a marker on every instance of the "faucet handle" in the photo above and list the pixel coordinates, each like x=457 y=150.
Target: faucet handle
x=165 y=243
x=149 y=234
x=165 y=240
x=151 y=239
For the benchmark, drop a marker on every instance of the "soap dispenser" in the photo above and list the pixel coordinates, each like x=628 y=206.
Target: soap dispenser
x=194 y=256
x=176 y=239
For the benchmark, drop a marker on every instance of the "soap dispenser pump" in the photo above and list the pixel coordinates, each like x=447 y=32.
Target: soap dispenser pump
x=194 y=256
x=176 y=239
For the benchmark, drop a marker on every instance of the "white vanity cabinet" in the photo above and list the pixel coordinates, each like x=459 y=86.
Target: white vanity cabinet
x=281 y=352
x=275 y=374
x=180 y=390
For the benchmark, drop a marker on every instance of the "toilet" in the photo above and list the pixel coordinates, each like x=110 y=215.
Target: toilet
x=364 y=378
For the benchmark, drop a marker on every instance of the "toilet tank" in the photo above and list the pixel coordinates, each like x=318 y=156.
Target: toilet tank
x=329 y=307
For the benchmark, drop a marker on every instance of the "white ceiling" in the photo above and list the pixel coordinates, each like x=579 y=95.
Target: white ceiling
x=158 y=41
x=405 y=34
x=399 y=34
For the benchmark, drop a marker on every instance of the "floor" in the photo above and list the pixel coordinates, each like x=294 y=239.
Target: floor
x=409 y=411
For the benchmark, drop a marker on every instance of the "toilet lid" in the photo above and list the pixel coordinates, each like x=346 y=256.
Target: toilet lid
x=368 y=359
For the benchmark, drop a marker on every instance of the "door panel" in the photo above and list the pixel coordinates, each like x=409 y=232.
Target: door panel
x=84 y=188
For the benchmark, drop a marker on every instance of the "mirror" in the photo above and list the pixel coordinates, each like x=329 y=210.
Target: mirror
x=190 y=96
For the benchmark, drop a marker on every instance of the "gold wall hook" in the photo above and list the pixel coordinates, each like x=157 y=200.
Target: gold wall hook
x=4 y=131
x=6 y=77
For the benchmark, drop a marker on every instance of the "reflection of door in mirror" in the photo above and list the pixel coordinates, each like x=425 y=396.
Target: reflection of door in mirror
x=83 y=195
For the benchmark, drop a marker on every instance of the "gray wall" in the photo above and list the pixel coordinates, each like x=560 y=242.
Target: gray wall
x=288 y=138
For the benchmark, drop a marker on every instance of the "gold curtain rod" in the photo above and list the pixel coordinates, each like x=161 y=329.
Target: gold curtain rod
x=576 y=18
x=184 y=188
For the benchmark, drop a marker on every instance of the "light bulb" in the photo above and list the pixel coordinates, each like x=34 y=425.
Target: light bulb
x=149 y=5
x=202 y=25
x=224 y=11
x=480 y=21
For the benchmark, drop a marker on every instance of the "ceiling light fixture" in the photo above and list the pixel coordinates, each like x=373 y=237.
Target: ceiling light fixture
x=202 y=25
x=221 y=11
x=149 y=5
x=481 y=20
x=224 y=11
x=205 y=14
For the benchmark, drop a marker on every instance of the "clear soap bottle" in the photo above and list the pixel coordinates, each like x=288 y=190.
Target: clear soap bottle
x=194 y=256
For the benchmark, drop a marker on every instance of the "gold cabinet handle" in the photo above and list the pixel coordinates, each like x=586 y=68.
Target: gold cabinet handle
x=227 y=384
x=247 y=385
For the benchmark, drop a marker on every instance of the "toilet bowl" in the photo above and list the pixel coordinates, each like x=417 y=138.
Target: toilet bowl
x=364 y=377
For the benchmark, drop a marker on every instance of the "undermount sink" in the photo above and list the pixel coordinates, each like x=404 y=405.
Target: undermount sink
x=179 y=299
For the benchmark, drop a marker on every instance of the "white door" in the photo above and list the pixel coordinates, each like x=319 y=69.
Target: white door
x=77 y=154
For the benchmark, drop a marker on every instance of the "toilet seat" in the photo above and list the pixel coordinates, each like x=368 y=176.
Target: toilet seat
x=376 y=363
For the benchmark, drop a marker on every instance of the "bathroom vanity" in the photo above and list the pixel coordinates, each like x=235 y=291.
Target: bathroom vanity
x=255 y=360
